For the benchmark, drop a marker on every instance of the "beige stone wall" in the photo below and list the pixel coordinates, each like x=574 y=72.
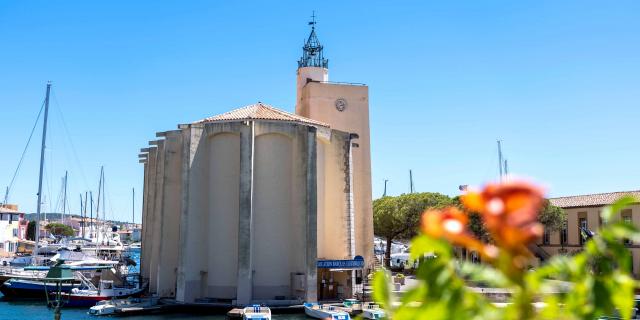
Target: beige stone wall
x=317 y=101
x=303 y=74
x=222 y=218
x=332 y=211
x=274 y=222
x=192 y=208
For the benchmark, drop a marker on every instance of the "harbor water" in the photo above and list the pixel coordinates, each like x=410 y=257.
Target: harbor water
x=37 y=310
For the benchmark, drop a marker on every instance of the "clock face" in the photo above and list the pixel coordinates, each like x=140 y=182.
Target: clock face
x=341 y=104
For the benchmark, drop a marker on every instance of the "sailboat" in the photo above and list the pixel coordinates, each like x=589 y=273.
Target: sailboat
x=28 y=282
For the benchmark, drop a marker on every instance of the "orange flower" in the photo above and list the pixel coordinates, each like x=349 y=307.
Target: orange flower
x=510 y=212
x=451 y=224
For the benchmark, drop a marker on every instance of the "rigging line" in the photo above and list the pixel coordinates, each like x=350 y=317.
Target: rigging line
x=73 y=148
x=57 y=206
x=15 y=173
x=108 y=196
x=47 y=180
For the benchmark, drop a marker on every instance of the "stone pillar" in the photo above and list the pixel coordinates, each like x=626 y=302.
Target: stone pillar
x=184 y=214
x=312 y=218
x=170 y=214
x=245 y=225
x=156 y=221
x=191 y=252
x=145 y=187
x=147 y=226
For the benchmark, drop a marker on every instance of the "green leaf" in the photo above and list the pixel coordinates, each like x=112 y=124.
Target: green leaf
x=622 y=293
x=423 y=245
x=609 y=211
x=622 y=230
x=381 y=291
x=482 y=273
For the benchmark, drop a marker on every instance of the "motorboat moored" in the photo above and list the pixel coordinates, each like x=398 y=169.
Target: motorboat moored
x=318 y=311
x=111 y=307
x=256 y=312
x=107 y=290
x=372 y=311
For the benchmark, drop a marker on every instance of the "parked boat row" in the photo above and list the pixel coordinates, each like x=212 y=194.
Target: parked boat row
x=134 y=306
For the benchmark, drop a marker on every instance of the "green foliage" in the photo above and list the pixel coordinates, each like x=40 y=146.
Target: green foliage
x=31 y=230
x=59 y=229
x=553 y=218
x=399 y=217
x=596 y=282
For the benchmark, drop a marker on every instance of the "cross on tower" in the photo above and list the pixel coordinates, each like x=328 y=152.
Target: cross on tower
x=312 y=23
x=312 y=50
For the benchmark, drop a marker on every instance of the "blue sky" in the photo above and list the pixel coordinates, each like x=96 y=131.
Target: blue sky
x=558 y=82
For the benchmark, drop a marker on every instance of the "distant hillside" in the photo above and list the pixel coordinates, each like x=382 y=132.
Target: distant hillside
x=58 y=216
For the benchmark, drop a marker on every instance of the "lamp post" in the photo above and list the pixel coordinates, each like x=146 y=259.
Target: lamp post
x=57 y=275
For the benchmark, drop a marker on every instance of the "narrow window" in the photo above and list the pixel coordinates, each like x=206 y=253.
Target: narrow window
x=546 y=237
x=583 y=227
x=564 y=235
x=626 y=217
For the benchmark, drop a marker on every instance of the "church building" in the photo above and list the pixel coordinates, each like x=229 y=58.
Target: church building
x=259 y=205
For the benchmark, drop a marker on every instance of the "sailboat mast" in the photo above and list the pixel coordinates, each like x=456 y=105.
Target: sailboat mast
x=410 y=181
x=91 y=209
x=42 y=147
x=81 y=216
x=506 y=168
x=98 y=204
x=500 y=159
x=104 y=211
x=84 y=216
x=64 y=198
x=133 y=206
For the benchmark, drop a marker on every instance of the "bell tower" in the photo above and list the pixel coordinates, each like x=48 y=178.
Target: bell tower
x=312 y=66
x=345 y=107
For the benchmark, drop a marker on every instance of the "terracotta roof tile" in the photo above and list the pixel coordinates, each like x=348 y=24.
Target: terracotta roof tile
x=261 y=111
x=8 y=210
x=590 y=200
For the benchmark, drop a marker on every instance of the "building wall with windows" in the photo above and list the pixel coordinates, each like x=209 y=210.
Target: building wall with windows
x=584 y=211
x=11 y=229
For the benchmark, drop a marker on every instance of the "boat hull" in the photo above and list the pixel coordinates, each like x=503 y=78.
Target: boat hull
x=74 y=300
x=30 y=289
x=325 y=314
x=373 y=314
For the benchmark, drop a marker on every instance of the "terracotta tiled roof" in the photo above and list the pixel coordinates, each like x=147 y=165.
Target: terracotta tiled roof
x=261 y=111
x=8 y=210
x=590 y=200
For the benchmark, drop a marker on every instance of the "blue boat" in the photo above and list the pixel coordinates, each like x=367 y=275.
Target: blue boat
x=32 y=289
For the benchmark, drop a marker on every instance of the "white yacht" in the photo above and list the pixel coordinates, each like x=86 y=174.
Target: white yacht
x=372 y=311
x=256 y=312
x=318 y=311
